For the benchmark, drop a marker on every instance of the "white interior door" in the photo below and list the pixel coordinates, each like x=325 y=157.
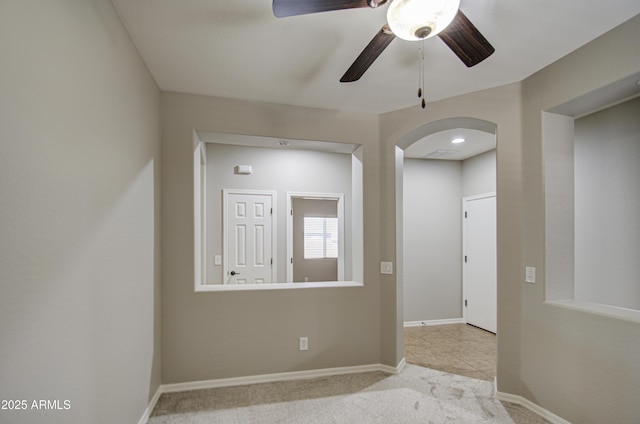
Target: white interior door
x=479 y=261
x=248 y=233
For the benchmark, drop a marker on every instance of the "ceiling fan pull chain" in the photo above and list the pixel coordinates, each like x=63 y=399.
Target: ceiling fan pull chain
x=419 y=70
x=421 y=89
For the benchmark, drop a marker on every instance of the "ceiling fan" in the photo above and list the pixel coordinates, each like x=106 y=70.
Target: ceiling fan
x=407 y=19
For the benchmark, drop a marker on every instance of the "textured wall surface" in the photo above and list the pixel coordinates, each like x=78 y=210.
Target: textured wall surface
x=79 y=213
x=607 y=229
x=232 y=334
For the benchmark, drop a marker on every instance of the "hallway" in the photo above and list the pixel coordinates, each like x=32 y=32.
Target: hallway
x=455 y=348
x=464 y=350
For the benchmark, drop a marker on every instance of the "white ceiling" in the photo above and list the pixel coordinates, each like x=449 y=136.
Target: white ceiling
x=438 y=145
x=238 y=49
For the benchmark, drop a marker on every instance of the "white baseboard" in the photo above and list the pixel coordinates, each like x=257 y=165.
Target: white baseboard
x=326 y=372
x=265 y=378
x=434 y=322
x=537 y=409
x=270 y=378
x=152 y=404
x=398 y=369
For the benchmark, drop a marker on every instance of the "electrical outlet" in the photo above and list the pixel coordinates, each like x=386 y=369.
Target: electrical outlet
x=304 y=343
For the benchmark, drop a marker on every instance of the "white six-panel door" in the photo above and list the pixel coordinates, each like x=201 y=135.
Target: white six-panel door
x=248 y=237
x=479 y=261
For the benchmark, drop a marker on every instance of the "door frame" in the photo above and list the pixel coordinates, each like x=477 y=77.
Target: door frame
x=225 y=228
x=315 y=196
x=464 y=245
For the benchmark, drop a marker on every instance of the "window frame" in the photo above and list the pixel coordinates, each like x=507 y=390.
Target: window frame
x=317 y=196
x=354 y=244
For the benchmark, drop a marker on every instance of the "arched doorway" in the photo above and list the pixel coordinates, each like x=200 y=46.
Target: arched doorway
x=438 y=177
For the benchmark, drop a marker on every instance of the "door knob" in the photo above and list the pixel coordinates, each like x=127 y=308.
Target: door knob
x=234 y=273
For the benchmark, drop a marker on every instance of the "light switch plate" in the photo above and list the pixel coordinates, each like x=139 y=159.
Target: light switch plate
x=304 y=343
x=530 y=274
x=386 y=267
x=217 y=260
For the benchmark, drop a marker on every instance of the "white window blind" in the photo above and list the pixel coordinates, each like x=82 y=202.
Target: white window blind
x=320 y=237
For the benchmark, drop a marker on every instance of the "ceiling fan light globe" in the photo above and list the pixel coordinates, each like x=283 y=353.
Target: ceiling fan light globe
x=409 y=19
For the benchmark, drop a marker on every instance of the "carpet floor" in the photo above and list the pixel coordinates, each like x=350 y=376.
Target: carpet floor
x=415 y=395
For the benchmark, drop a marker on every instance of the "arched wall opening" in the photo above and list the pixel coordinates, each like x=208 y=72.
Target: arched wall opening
x=429 y=224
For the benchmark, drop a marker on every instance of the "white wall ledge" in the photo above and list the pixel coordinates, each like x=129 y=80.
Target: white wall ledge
x=609 y=311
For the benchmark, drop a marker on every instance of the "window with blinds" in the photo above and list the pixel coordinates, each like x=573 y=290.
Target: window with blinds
x=320 y=237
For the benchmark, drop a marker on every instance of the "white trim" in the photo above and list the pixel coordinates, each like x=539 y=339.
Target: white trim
x=480 y=196
x=355 y=240
x=265 y=378
x=285 y=376
x=434 y=322
x=152 y=404
x=398 y=369
x=199 y=212
x=276 y=286
x=537 y=409
x=326 y=372
x=341 y=223
x=610 y=311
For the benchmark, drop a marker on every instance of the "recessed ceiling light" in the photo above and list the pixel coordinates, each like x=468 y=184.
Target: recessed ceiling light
x=458 y=140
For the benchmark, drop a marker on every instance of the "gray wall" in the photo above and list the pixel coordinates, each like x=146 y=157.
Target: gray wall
x=79 y=185
x=479 y=174
x=607 y=201
x=562 y=345
x=433 y=192
x=500 y=106
x=231 y=334
x=432 y=239
x=279 y=170
x=79 y=197
x=546 y=353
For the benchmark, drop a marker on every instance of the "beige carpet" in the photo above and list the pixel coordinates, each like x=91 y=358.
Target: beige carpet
x=416 y=395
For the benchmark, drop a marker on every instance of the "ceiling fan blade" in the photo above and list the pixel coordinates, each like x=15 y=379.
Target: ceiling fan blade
x=370 y=53
x=284 y=8
x=466 y=41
